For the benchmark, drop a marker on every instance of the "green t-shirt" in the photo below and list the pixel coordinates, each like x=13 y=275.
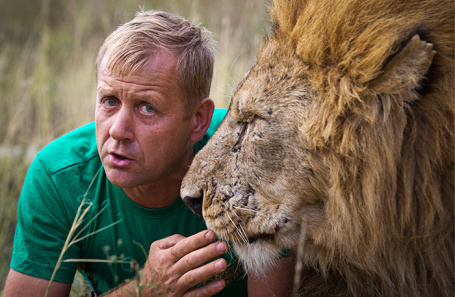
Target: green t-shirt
x=114 y=227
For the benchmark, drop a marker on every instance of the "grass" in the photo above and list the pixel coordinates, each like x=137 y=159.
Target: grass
x=47 y=84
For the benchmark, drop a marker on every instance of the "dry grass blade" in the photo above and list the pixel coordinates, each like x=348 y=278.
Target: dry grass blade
x=80 y=214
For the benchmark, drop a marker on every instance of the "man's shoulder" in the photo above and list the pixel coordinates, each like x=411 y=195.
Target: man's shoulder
x=75 y=147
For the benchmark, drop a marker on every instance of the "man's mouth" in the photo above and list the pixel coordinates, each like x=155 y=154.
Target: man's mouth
x=119 y=156
x=119 y=160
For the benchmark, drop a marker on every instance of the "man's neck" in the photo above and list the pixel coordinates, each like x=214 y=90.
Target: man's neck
x=155 y=196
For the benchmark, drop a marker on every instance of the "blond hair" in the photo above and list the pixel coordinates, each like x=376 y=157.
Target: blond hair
x=132 y=45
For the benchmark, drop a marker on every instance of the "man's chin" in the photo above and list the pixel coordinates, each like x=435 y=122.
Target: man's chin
x=121 y=178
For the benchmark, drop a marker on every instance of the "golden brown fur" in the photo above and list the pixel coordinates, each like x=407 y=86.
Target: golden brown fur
x=339 y=144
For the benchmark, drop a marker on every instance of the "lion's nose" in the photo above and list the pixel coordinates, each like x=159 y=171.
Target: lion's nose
x=195 y=204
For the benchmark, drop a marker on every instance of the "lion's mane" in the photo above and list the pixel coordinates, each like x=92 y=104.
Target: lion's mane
x=392 y=177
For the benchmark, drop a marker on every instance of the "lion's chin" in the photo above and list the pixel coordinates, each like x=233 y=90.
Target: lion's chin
x=257 y=257
x=259 y=252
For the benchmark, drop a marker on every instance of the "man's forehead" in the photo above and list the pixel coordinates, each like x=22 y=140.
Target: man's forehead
x=133 y=60
x=160 y=63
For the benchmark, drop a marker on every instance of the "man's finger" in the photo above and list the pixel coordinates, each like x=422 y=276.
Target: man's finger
x=207 y=290
x=192 y=243
x=198 y=275
x=201 y=256
x=169 y=242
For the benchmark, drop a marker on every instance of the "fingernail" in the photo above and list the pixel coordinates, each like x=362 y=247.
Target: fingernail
x=221 y=247
x=210 y=236
x=219 y=265
x=219 y=284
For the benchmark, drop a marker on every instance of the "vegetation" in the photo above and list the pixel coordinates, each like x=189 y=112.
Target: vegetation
x=47 y=84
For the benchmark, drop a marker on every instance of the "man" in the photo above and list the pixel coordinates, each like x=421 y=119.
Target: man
x=122 y=174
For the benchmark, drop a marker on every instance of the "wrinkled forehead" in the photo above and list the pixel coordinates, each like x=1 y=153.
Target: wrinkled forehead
x=122 y=63
x=154 y=62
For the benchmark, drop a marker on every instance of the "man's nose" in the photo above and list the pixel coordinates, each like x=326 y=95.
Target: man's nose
x=122 y=127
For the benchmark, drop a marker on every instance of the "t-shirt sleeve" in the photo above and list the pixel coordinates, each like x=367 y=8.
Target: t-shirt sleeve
x=42 y=229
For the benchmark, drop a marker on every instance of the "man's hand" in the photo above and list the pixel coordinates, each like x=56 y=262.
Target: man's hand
x=176 y=264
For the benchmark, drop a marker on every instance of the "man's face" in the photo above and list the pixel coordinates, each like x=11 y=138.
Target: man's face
x=141 y=130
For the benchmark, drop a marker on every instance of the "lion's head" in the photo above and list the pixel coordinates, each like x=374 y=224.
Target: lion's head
x=339 y=144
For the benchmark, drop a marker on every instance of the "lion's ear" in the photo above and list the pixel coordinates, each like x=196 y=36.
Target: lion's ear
x=405 y=70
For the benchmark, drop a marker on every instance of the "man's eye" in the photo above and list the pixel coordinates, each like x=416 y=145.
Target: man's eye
x=147 y=109
x=110 y=102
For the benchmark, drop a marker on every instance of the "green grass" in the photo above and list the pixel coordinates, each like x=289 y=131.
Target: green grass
x=47 y=83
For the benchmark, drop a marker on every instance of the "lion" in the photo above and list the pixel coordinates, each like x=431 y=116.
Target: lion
x=339 y=146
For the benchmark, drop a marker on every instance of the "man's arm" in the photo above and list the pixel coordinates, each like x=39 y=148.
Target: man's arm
x=19 y=284
x=278 y=281
x=172 y=269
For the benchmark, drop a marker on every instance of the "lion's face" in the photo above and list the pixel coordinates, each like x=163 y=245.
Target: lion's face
x=247 y=175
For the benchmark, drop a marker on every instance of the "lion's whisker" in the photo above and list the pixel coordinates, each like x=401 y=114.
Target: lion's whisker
x=245 y=209
x=243 y=238
x=242 y=229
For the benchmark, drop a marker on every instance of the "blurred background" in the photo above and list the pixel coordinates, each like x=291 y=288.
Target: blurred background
x=47 y=82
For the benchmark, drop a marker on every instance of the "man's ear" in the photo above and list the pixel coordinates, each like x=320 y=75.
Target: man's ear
x=201 y=119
